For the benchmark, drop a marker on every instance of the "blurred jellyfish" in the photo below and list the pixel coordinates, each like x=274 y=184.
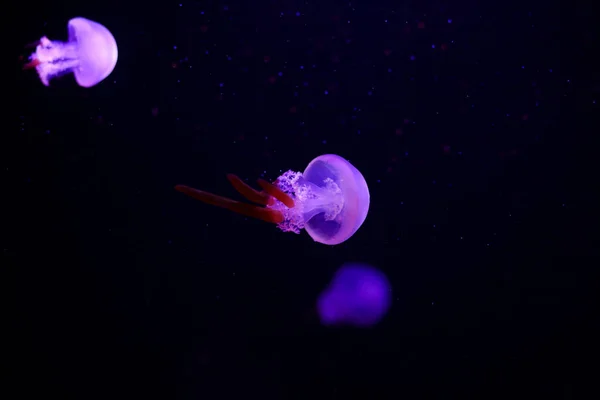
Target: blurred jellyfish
x=358 y=295
x=330 y=199
x=91 y=54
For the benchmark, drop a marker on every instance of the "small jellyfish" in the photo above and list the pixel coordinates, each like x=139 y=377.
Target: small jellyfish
x=330 y=200
x=358 y=295
x=91 y=54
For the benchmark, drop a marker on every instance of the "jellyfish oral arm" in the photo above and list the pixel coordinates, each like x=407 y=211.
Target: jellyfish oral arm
x=277 y=193
x=264 y=214
x=248 y=192
x=53 y=59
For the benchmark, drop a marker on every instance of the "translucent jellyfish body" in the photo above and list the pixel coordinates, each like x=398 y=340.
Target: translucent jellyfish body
x=358 y=295
x=330 y=200
x=90 y=54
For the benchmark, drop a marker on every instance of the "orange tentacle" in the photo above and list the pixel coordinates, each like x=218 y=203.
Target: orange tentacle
x=247 y=191
x=264 y=214
x=277 y=193
x=32 y=64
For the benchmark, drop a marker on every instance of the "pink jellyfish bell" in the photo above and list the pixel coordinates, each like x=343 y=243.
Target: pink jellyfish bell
x=330 y=199
x=91 y=54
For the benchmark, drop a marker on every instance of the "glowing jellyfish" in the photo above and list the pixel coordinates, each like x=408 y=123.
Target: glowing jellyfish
x=358 y=295
x=330 y=199
x=91 y=54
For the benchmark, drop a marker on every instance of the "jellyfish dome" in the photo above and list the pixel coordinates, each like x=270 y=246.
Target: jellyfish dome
x=90 y=54
x=331 y=200
x=359 y=295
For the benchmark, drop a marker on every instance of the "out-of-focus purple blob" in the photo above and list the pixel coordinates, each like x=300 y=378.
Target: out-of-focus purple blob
x=91 y=54
x=358 y=295
x=331 y=200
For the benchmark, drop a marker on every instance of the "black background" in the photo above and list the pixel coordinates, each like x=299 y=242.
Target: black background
x=120 y=287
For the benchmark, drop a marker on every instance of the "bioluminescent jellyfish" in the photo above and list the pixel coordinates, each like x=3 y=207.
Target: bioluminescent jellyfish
x=90 y=54
x=359 y=295
x=330 y=200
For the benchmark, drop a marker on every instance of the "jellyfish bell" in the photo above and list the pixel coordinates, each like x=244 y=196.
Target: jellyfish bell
x=90 y=54
x=330 y=199
x=333 y=199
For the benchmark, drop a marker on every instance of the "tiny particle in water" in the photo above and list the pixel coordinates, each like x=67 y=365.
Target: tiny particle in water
x=302 y=67
x=297 y=13
x=412 y=58
x=389 y=70
x=449 y=21
x=280 y=73
x=174 y=47
x=522 y=67
x=324 y=142
x=326 y=92
x=433 y=46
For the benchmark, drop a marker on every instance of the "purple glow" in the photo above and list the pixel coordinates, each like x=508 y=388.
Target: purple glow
x=359 y=295
x=331 y=200
x=91 y=54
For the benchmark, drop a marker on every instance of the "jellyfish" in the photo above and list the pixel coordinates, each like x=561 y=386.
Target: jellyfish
x=330 y=199
x=359 y=295
x=91 y=54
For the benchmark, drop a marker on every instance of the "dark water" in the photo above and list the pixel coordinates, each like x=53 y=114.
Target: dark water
x=465 y=119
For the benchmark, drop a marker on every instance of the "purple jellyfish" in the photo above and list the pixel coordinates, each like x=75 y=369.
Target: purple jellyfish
x=358 y=295
x=330 y=199
x=91 y=54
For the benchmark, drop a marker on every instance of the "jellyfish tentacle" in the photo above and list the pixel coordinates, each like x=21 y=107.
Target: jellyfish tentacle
x=277 y=193
x=248 y=192
x=32 y=64
x=264 y=214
